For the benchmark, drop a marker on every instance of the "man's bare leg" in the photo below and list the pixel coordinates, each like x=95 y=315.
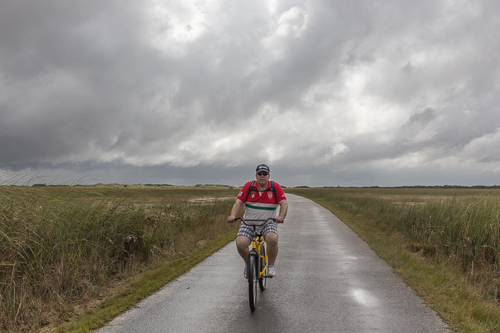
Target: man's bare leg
x=272 y=247
x=242 y=244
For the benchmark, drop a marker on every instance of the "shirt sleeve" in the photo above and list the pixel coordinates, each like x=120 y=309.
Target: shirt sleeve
x=244 y=191
x=280 y=195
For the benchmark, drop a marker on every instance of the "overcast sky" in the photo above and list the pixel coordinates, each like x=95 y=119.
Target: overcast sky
x=327 y=93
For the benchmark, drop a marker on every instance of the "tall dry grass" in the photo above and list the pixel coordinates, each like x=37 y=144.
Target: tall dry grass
x=462 y=225
x=61 y=244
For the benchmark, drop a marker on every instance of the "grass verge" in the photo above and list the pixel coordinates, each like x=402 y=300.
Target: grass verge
x=64 y=248
x=141 y=286
x=440 y=283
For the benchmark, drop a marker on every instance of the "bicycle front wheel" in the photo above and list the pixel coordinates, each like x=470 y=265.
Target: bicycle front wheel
x=253 y=280
x=263 y=267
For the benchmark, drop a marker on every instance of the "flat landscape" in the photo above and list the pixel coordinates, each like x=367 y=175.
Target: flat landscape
x=444 y=242
x=63 y=248
x=66 y=251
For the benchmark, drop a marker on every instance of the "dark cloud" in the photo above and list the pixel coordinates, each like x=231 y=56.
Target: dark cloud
x=328 y=92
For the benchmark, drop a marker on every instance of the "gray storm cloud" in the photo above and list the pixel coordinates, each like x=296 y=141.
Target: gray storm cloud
x=329 y=92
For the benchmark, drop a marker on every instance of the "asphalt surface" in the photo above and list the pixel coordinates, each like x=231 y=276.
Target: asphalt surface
x=328 y=280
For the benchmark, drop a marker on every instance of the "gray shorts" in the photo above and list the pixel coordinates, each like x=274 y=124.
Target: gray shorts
x=248 y=231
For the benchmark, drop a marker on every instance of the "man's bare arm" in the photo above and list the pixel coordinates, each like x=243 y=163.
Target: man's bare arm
x=235 y=210
x=283 y=210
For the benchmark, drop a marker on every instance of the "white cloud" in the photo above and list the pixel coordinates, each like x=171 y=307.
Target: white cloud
x=172 y=25
x=339 y=149
x=485 y=149
x=292 y=23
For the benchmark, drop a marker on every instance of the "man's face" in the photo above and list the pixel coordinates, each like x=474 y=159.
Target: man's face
x=262 y=177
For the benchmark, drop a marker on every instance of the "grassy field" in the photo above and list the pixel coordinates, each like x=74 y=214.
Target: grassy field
x=444 y=242
x=73 y=257
x=63 y=246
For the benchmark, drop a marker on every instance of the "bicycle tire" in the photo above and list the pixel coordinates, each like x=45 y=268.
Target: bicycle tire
x=263 y=263
x=253 y=280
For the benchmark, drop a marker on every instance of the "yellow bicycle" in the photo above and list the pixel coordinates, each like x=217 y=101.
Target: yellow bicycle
x=257 y=260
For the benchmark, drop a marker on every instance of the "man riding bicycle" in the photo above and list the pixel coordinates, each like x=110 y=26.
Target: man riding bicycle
x=261 y=198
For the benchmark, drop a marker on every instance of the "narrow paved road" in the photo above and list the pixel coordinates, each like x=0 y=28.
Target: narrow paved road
x=328 y=280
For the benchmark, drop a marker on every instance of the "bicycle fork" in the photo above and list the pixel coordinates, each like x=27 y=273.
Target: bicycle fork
x=260 y=253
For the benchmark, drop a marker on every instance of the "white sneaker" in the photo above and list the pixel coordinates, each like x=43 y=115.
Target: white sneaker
x=270 y=271
x=245 y=272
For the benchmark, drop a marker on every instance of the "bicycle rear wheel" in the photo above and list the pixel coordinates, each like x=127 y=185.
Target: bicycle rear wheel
x=253 y=280
x=263 y=263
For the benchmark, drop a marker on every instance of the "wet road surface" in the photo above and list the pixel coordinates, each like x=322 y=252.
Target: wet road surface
x=328 y=280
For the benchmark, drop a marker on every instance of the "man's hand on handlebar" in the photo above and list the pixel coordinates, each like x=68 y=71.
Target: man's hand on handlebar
x=279 y=219
x=231 y=219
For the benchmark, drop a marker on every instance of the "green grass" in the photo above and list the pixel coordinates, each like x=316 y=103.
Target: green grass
x=450 y=272
x=63 y=264
x=62 y=246
x=141 y=286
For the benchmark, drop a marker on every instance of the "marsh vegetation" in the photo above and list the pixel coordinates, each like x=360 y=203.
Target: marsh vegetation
x=60 y=246
x=444 y=242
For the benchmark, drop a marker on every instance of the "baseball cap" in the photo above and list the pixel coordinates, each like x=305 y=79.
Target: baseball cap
x=262 y=167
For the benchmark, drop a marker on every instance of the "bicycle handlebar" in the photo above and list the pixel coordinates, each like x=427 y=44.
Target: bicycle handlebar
x=252 y=220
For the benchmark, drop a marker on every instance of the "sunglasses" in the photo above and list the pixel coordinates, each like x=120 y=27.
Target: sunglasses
x=262 y=173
